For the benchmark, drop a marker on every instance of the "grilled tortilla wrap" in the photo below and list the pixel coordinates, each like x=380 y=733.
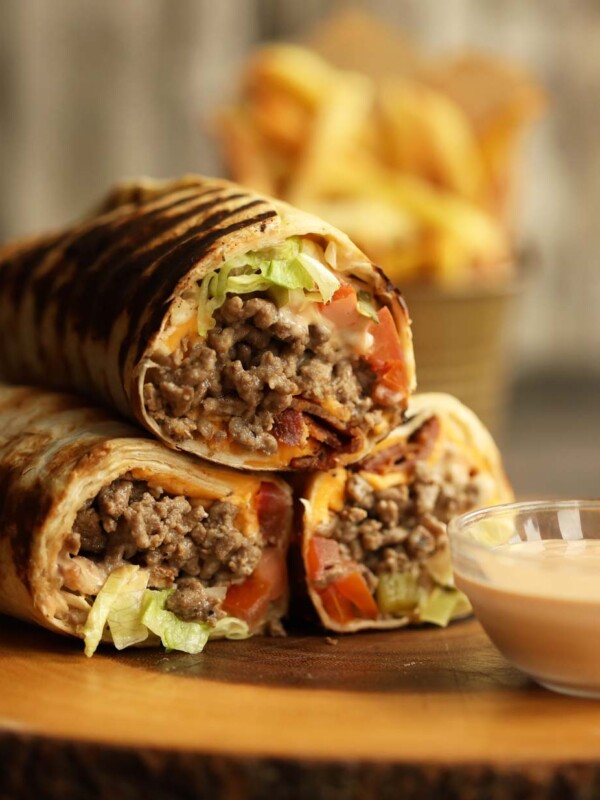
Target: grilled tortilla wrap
x=374 y=542
x=85 y=498
x=230 y=325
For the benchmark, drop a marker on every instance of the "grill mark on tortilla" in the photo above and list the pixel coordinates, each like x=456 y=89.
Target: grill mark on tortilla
x=132 y=196
x=85 y=258
x=40 y=422
x=124 y=262
x=85 y=254
x=160 y=286
x=126 y=256
x=87 y=262
x=388 y=288
x=55 y=284
x=22 y=508
x=122 y=277
x=112 y=303
x=15 y=271
x=163 y=273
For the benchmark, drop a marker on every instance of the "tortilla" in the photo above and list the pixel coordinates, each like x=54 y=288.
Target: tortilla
x=84 y=495
x=128 y=309
x=374 y=542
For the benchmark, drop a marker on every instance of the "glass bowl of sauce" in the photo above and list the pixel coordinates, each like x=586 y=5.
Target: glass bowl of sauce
x=532 y=574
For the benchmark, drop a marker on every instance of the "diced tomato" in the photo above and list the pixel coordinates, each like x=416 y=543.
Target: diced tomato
x=322 y=554
x=349 y=598
x=250 y=600
x=391 y=383
x=273 y=506
x=354 y=588
x=343 y=309
x=387 y=345
x=345 y=290
x=387 y=358
x=272 y=569
x=336 y=606
x=346 y=598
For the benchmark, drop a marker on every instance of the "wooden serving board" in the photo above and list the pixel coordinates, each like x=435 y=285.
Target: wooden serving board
x=408 y=714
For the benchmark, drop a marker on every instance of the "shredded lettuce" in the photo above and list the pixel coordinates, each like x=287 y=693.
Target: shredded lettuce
x=366 y=306
x=293 y=265
x=124 y=620
x=439 y=606
x=230 y=628
x=175 y=633
x=326 y=282
x=120 y=595
x=189 y=637
x=132 y=611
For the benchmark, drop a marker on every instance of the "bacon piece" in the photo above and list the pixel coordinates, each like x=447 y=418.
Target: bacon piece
x=315 y=410
x=321 y=434
x=403 y=455
x=288 y=427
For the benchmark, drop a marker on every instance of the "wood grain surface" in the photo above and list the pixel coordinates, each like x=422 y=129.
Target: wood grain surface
x=412 y=714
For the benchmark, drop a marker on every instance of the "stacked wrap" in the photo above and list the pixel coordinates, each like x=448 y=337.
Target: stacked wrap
x=239 y=330
x=57 y=455
x=123 y=308
x=374 y=541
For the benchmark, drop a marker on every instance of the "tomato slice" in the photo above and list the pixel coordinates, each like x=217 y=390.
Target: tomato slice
x=250 y=600
x=386 y=345
x=342 y=310
x=387 y=357
x=336 y=606
x=322 y=553
x=346 y=598
x=354 y=588
x=273 y=506
x=349 y=598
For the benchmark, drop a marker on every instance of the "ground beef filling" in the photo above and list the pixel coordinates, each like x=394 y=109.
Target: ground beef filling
x=389 y=530
x=184 y=544
x=255 y=367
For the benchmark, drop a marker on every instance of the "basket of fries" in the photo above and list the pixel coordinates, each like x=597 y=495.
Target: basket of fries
x=416 y=159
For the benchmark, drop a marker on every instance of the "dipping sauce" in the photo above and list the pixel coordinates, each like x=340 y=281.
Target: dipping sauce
x=539 y=602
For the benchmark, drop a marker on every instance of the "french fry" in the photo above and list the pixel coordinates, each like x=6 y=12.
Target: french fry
x=295 y=70
x=338 y=128
x=430 y=136
x=415 y=160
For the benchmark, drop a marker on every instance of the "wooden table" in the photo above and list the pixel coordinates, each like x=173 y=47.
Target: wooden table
x=408 y=714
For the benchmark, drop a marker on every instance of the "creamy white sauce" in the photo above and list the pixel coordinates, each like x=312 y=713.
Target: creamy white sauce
x=539 y=602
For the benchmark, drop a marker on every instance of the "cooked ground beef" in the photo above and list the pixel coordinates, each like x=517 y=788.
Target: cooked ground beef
x=255 y=364
x=181 y=542
x=390 y=529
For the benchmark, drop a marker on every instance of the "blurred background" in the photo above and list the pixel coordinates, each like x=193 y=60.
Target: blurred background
x=93 y=92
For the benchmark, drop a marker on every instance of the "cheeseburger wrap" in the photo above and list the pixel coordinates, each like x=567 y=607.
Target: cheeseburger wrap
x=108 y=535
x=374 y=542
x=230 y=325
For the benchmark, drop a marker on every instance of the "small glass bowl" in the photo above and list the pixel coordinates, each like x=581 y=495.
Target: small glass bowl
x=532 y=574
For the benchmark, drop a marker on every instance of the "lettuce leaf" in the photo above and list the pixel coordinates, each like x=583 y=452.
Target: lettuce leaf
x=122 y=592
x=293 y=265
x=439 y=606
x=366 y=306
x=132 y=611
x=124 y=616
x=326 y=282
x=177 y=634
x=230 y=628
